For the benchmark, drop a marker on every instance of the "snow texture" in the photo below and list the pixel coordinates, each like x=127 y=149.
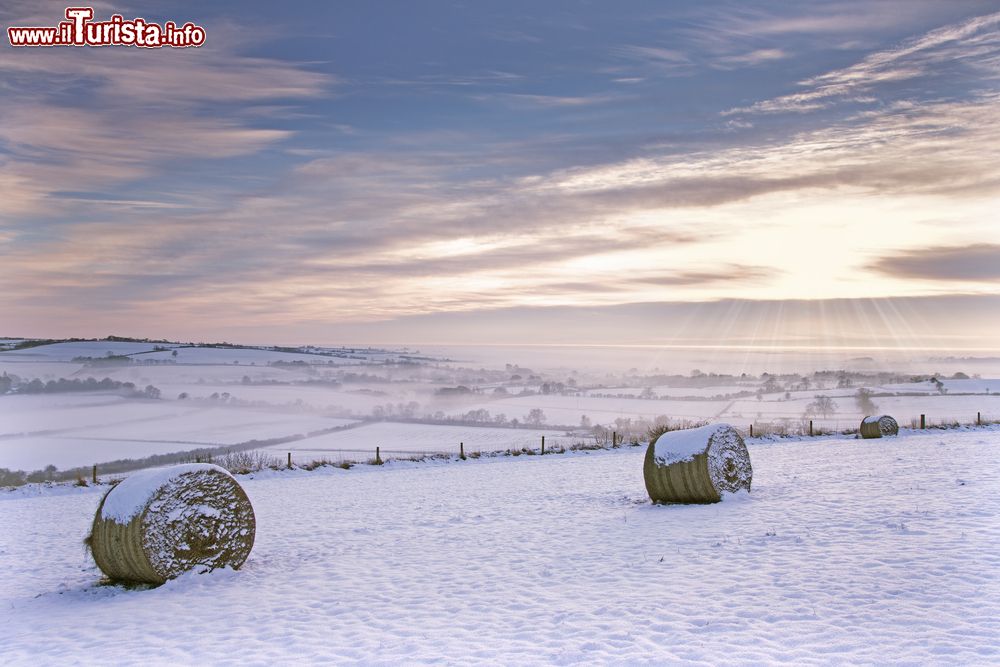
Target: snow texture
x=127 y=500
x=684 y=445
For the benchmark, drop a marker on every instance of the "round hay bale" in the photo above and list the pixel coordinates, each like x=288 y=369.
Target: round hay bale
x=877 y=426
x=159 y=523
x=696 y=465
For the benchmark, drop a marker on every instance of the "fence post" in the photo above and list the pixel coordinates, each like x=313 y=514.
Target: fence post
x=543 y=445
x=923 y=421
x=979 y=419
x=810 y=427
x=614 y=438
x=461 y=450
x=378 y=456
x=289 y=460
x=751 y=430
x=94 y=476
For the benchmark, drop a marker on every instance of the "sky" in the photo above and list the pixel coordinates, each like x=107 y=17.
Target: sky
x=812 y=173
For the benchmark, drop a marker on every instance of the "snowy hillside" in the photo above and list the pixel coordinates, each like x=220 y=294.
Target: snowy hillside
x=846 y=551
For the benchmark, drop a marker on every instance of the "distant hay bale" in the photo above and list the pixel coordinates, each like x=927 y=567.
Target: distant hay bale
x=696 y=465
x=159 y=523
x=877 y=426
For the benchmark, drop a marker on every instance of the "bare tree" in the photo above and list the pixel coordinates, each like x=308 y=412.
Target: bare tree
x=863 y=399
x=823 y=405
x=536 y=417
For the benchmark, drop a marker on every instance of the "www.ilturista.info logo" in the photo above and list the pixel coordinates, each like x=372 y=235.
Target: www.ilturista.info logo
x=80 y=30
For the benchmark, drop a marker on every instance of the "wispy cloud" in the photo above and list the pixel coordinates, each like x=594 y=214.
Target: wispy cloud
x=149 y=110
x=664 y=61
x=975 y=42
x=750 y=59
x=548 y=101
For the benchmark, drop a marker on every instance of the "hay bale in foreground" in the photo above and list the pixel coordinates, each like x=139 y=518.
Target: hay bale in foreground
x=696 y=465
x=159 y=523
x=877 y=426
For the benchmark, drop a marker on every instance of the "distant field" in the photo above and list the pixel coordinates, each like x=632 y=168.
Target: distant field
x=68 y=430
x=67 y=351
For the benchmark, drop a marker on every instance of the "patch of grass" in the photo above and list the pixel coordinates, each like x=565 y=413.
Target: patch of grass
x=242 y=463
x=587 y=446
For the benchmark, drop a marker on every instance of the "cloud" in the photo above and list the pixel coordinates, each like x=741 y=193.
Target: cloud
x=548 y=101
x=78 y=120
x=662 y=60
x=974 y=42
x=475 y=79
x=378 y=224
x=750 y=59
x=382 y=233
x=974 y=263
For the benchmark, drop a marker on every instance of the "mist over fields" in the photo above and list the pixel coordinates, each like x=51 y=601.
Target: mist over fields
x=70 y=405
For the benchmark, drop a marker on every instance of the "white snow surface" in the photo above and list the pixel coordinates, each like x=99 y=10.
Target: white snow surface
x=846 y=552
x=131 y=495
x=684 y=445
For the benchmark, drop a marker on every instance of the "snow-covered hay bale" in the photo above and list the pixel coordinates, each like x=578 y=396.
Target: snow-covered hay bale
x=878 y=425
x=696 y=465
x=159 y=523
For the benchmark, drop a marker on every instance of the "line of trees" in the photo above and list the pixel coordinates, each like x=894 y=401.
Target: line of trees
x=12 y=384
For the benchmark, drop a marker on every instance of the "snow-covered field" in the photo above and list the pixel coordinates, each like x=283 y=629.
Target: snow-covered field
x=846 y=552
x=70 y=430
x=67 y=351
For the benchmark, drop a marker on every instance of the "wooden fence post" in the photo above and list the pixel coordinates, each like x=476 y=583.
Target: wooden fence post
x=378 y=456
x=810 y=427
x=543 y=445
x=923 y=421
x=289 y=460
x=614 y=438
x=751 y=430
x=979 y=419
x=461 y=450
x=94 y=476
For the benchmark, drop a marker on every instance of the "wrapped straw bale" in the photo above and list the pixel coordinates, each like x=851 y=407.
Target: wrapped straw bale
x=877 y=426
x=159 y=523
x=696 y=465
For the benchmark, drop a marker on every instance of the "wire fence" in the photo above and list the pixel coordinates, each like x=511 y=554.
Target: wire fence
x=285 y=455
x=750 y=428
